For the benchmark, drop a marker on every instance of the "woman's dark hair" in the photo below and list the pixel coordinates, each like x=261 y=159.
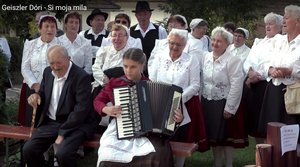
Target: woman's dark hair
x=125 y=16
x=230 y=25
x=178 y=19
x=136 y=55
x=47 y=18
x=72 y=15
x=75 y=15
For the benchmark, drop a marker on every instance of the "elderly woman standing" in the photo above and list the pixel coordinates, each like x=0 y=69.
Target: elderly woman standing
x=256 y=83
x=221 y=95
x=175 y=21
x=176 y=67
x=79 y=48
x=192 y=47
x=34 y=61
x=282 y=69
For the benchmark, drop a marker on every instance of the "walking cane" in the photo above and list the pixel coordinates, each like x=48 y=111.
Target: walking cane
x=32 y=121
x=32 y=124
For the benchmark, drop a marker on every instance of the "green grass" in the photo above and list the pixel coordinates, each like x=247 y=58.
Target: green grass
x=242 y=157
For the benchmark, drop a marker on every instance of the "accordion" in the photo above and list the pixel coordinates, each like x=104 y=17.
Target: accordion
x=147 y=107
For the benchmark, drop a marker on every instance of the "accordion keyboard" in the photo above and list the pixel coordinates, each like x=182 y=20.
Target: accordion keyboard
x=128 y=122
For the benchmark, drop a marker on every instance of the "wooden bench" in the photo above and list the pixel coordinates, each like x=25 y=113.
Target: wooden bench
x=22 y=133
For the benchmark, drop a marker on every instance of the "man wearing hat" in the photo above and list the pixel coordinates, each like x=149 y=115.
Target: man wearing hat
x=239 y=48
x=96 y=21
x=145 y=30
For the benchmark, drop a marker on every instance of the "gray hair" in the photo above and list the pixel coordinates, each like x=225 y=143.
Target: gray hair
x=273 y=17
x=60 y=49
x=224 y=33
x=178 y=32
x=293 y=10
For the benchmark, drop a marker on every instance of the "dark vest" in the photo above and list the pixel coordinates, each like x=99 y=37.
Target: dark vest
x=98 y=41
x=148 y=41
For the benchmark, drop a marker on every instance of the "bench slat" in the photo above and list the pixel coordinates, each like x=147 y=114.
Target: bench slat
x=14 y=132
x=181 y=149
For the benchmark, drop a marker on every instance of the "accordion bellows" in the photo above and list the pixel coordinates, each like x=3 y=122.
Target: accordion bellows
x=147 y=107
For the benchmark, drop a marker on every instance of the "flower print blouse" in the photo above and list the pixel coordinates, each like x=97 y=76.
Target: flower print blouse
x=223 y=79
x=34 y=59
x=183 y=72
x=80 y=51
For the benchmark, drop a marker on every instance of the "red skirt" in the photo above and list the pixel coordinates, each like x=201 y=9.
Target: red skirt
x=237 y=134
x=25 y=110
x=195 y=130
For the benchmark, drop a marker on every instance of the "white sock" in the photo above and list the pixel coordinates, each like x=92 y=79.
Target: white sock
x=229 y=156
x=217 y=153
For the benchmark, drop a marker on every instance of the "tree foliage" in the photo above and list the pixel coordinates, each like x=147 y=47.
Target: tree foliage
x=217 y=12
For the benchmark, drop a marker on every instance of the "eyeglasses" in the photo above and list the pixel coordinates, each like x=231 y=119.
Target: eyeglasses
x=119 y=36
x=121 y=22
x=175 y=44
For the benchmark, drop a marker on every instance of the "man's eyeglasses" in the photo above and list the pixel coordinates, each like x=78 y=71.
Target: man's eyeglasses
x=121 y=22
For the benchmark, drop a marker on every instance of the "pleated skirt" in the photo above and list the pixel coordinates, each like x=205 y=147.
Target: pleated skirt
x=273 y=109
x=224 y=132
x=25 y=110
x=254 y=99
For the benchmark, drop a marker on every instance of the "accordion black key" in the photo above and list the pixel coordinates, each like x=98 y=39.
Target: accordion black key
x=147 y=107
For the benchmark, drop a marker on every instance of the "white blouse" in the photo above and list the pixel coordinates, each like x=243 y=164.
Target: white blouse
x=242 y=51
x=80 y=51
x=132 y=42
x=107 y=57
x=259 y=54
x=34 y=59
x=285 y=54
x=223 y=79
x=193 y=47
x=183 y=72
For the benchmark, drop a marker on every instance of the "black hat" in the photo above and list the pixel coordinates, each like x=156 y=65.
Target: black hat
x=95 y=12
x=142 y=6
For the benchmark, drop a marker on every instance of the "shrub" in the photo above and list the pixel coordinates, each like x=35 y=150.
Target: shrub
x=16 y=48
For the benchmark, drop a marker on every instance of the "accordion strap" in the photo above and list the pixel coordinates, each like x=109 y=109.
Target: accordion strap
x=123 y=78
